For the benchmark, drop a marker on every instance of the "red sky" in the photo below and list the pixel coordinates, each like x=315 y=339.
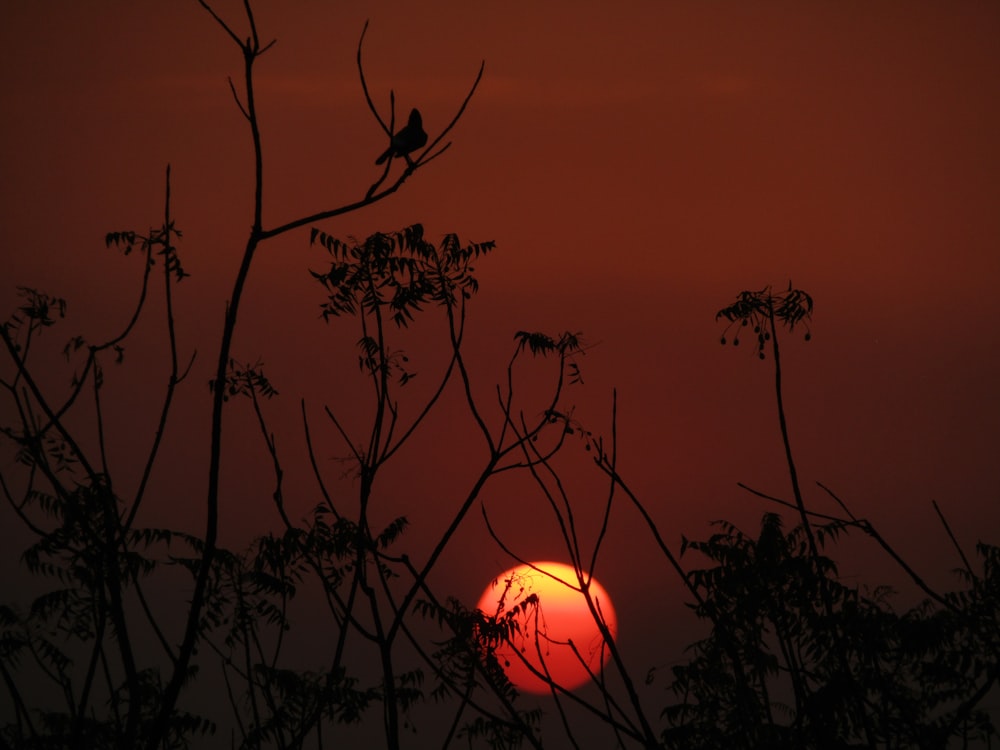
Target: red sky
x=637 y=165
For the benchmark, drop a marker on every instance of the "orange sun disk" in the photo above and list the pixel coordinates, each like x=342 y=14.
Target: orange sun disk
x=562 y=616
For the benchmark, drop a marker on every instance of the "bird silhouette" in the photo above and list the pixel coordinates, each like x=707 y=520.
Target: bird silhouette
x=408 y=138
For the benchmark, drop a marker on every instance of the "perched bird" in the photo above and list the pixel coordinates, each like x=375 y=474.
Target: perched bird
x=408 y=138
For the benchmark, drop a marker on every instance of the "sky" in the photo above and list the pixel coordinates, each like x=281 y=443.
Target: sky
x=637 y=165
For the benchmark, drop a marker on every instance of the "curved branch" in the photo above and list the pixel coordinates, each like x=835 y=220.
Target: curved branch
x=236 y=98
x=461 y=110
x=364 y=85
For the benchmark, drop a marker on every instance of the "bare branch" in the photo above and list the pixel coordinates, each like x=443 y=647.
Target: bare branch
x=873 y=533
x=221 y=23
x=793 y=506
x=253 y=25
x=954 y=541
x=236 y=98
x=312 y=462
x=364 y=84
x=455 y=119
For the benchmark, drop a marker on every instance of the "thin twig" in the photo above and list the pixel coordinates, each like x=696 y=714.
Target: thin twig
x=873 y=533
x=954 y=541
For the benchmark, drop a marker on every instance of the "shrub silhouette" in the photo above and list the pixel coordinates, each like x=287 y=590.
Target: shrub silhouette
x=920 y=673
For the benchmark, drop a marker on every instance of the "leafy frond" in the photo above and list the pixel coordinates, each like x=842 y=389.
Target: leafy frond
x=246 y=380
x=398 y=273
x=757 y=312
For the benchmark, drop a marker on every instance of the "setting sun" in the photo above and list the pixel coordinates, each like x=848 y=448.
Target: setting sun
x=560 y=618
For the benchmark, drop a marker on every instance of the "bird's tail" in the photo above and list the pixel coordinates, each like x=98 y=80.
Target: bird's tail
x=385 y=155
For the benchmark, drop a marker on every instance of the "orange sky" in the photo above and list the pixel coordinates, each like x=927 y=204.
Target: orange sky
x=637 y=168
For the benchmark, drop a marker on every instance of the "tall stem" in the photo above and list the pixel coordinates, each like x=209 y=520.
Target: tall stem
x=792 y=473
x=800 y=504
x=193 y=627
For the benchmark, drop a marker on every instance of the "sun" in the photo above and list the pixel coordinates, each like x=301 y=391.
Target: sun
x=543 y=598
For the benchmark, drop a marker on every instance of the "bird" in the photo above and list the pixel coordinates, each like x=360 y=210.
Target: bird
x=408 y=138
